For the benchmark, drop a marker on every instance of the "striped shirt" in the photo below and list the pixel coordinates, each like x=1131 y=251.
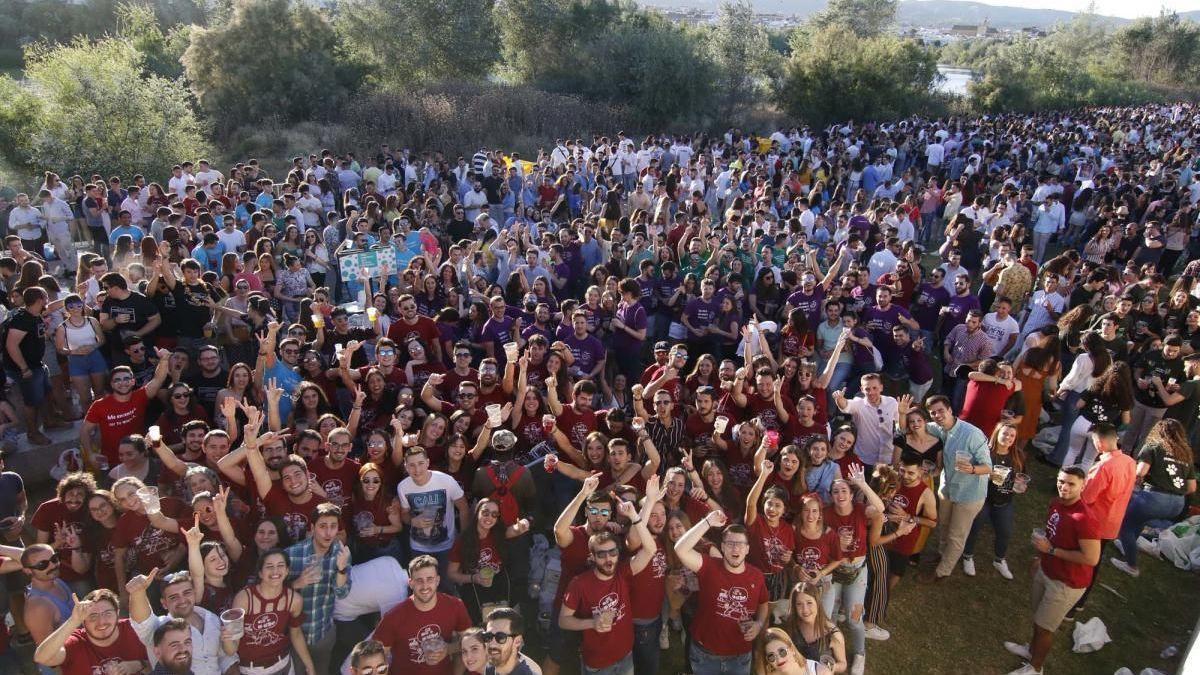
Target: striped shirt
x=318 y=597
x=966 y=347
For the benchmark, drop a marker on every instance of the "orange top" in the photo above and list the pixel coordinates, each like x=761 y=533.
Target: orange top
x=1109 y=485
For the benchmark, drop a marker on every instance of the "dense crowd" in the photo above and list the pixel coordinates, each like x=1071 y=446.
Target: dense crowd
x=419 y=413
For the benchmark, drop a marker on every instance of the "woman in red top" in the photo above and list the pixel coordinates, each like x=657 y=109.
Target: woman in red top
x=789 y=476
x=273 y=620
x=181 y=409
x=987 y=393
x=797 y=338
x=375 y=515
x=817 y=553
x=850 y=520
x=477 y=559
x=98 y=555
x=386 y=455
x=310 y=405
x=772 y=540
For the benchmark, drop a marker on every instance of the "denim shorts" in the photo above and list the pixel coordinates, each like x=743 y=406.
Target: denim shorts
x=92 y=364
x=34 y=389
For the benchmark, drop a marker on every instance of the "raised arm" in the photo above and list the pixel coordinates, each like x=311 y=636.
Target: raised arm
x=685 y=548
x=562 y=526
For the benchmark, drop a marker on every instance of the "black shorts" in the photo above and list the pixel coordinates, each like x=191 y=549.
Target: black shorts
x=897 y=562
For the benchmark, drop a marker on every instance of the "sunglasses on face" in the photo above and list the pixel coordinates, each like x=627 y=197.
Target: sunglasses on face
x=181 y=395
x=374 y=670
x=52 y=561
x=387 y=352
x=607 y=553
x=593 y=511
x=499 y=637
x=463 y=355
x=777 y=655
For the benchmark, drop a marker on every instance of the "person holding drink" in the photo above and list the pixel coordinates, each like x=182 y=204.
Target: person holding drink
x=999 y=509
x=272 y=622
x=179 y=600
x=1068 y=548
x=422 y=631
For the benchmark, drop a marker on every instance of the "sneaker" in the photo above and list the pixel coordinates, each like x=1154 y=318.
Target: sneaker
x=877 y=633
x=1002 y=567
x=858 y=665
x=1119 y=546
x=1026 y=669
x=1018 y=650
x=968 y=566
x=1125 y=567
x=664 y=637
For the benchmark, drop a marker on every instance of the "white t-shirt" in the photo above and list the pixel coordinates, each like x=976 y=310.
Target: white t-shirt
x=434 y=499
x=375 y=586
x=232 y=241
x=876 y=426
x=999 y=331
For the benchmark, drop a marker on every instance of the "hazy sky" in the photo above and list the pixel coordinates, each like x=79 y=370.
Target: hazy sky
x=1124 y=8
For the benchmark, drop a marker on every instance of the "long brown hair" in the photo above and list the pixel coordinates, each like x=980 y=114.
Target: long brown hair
x=1170 y=435
x=792 y=627
x=1115 y=385
x=1018 y=455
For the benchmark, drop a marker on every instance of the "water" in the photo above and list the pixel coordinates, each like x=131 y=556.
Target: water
x=955 y=80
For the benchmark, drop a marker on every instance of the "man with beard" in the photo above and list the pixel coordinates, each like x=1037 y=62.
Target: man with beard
x=573 y=542
x=664 y=428
x=48 y=600
x=767 y=402
x=173 y=649
x=93 y=640
x=422 y=631
x=733 y=598
x=320 y=573
x=271 y=447
x=467 y=396
x=914 y=506
x=578 y=418
x=55 y=520
x=200 y=628
x=293 y=498
x=589 y=352
x=598 y=602
x=336 y=474
x=121 y=412
x=411 y=324
x=504 y=636
x=666 y=378
x=281 y=368
x=190 y=453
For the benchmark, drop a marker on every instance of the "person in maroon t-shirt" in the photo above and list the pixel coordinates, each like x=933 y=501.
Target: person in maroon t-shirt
x=293 y=498
x=94 y=639
x=599 y=602
x=155 y=538
x=336 y=474
x=767 y=402
x=56 y=518
x=411 y=324
x=577 y=419
x=420 y=631
x=1070 y=548
x=733 y=598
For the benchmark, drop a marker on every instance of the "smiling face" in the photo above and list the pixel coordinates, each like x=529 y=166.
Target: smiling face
x=101 y=621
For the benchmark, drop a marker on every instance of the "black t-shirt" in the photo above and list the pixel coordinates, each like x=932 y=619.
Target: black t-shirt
x=165 y=302
x=33 y=343
x=191 y=312
x=334 y=338
x=460 y=229
x=1098 y=409
x=491 y=187
x=207 y=388
x=1117 y=347
x=1153 y=364
x=1082 y=296
x=1166 y=474
x=137 y=307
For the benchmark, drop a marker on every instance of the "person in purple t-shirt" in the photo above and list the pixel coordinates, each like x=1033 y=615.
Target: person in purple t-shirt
x=629 y=328
x=927 y=303
x=881 y=317
x=698 y=316
x=963 y=301
x=810 y=297
x=498 y=329
x=540 y=324
x=586 y=348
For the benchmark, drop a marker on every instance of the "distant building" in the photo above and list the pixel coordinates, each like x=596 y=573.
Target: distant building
x=969 y=30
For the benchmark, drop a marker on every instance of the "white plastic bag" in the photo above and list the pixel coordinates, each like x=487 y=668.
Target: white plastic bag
x=1180 y=544
x=1090 y=636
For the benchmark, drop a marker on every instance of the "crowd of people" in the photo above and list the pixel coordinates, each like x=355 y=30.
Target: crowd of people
x=418 y=413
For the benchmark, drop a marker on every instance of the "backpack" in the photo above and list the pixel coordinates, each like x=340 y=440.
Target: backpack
x=510 y=510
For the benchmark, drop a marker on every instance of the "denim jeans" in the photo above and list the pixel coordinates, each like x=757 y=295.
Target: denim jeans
x=841 y=373
x=705 y=662
x=622 y=667
x=1001 y=518
x=1069 y=414
x=645 y=647
x=1145 y=506
x=853 y=595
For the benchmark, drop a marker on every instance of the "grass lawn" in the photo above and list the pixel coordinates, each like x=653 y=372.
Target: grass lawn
x=959 y=626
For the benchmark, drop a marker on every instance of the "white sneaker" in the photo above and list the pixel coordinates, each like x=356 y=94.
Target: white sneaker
x=1026 y=670
x=1119 y=546
x=664 y=637
x=1002 y=567
x=968 y=566
x=1018 y=650
x=877 y=633
x=858 y=665
x=1125 y=567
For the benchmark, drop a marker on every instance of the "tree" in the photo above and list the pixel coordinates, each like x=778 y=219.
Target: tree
x=162 y=51
x=272 y=58
x=542 y=42
x=88 y=107
x=833 y=74
x=405 y=42
x=865 y=18
x=742 y=55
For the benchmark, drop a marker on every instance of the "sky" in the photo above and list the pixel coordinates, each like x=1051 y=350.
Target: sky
x=1123 y=8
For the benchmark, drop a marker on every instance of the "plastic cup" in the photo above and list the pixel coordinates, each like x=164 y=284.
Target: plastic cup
x=962 y=458
x=154 y=434
x=149 y=498
x=773 y=439
x=432 y=644
x=493 y=413
x=745 y=625
x=318 y=320
x=1000 y=474
x=548 y=424
x=1020 y=483
x=511 y=351
x=487 y=574
x=372 y=314
x=846 y=541
x=551 y=462
x=720 y=424
x=1038 y=533
x=928 y=467
x=233 y=620
x=637 y=424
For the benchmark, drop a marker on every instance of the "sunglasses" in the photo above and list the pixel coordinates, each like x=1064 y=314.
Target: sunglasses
x=499 y=637
x=52 y=561
x=463 y=355
x=374 y=670
x=386 y=352
x=593 y=511
x=182 y=395
x=123 y=378
x=607 y=553
x=777 y=655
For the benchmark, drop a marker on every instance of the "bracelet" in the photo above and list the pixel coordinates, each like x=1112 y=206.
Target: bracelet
x=345 y=571
x=635 y=522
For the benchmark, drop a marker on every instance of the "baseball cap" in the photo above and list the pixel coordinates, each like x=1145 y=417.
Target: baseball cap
x=662 y=346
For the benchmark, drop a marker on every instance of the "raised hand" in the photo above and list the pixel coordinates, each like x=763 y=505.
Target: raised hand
x=591 y=484
x=343 y=556
x=141 y=582
x=194 y=535
x=221 y=499
x=903 y=405
x=857 y=474
x=81 y=609
x=627 y=509
x=716 y=518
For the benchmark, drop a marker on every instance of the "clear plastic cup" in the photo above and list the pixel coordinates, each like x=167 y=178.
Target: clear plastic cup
x=493 y=413
x=486 y=575
x=318 y=320
x=1000 y=474
x=637 y=424
x=1021 y=483
x=234 y=621
x=512 y=351
x=720 y=424
x=372 y=314
x=928 y=467
x=548 y=424
x=149 y=498
x=1038 y=533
